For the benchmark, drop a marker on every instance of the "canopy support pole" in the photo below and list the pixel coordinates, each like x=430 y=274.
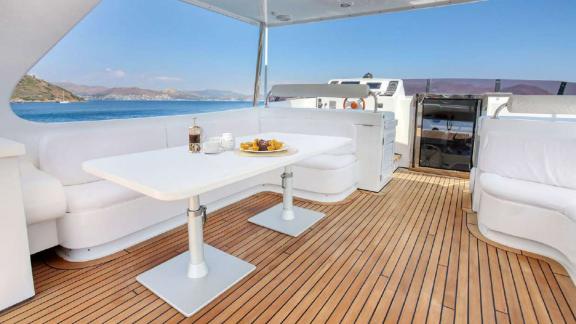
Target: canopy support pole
x=258 y=65
x=265 y=61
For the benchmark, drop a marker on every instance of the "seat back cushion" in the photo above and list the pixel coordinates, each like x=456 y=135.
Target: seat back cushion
x=238 y=122
x=61 y=153
x=313 y=127
x=544 y=159
x=322 y=122
x=43 y=195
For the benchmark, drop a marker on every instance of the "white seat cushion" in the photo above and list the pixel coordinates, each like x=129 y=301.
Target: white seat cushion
x=530 y=193
x=96 y=195
x=328 y=162
x=43 y=195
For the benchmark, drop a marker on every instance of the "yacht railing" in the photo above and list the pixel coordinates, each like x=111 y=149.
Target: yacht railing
x=528 y=104
x=321 y=90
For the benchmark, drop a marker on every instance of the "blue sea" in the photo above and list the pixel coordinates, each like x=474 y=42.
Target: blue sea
x=51 y=112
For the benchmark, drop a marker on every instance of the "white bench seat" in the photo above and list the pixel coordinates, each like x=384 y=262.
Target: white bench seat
x=535 y=194
x=328 y=162
x=97 y=195
x=43 y=195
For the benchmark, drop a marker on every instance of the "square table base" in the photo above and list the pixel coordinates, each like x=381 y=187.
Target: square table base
x=170 y=282
x=272 y=219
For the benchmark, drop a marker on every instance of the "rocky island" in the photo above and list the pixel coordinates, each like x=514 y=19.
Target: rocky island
x=33 y=89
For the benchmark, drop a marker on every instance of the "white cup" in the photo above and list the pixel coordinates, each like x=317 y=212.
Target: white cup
x=212 y=145
x=228 y=141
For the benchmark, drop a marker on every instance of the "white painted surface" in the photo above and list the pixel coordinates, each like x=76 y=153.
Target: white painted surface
x=285 y=218
x=10 y=148
x=302 y=11
x=197 y=266
x=272 y=219
x=176 y=174
x=171 y=283
x=555 y=105
x=320 y=90
x=16 y=282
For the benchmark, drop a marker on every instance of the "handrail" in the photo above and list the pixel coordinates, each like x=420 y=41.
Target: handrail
x=375 y=101
x=539 y=104
x=499 y=109
x=322 y=90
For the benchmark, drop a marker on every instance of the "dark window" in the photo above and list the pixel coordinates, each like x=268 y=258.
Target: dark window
x=461 y=86
x=570 y=89
x=414 y=86
x=374 y=85
x=529 y=87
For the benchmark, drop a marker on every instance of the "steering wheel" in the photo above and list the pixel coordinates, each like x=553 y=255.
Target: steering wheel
x=355 y=104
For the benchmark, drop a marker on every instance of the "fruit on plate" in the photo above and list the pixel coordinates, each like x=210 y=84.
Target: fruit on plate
x=261 y=145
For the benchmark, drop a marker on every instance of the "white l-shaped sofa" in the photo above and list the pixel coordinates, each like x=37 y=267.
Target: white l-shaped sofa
x=524 y=186
x=92 y=218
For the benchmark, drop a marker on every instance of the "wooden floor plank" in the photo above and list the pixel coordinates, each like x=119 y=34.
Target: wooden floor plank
x=405 y=254
x=552 y=283
x=474 y=295
x=525 y=299
x=487 y=296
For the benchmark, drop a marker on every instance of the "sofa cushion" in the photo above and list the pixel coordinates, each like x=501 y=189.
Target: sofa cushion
x=62 y=153
x=96 y=195
x=328 y=162
x=313 y=127
x=43 y=195
x=239 y=122
x=545 y=159
x=530 y=193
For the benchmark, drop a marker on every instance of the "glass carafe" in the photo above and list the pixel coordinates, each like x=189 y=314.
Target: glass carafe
x=194 y=138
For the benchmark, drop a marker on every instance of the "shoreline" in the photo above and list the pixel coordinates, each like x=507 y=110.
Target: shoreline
x=138 y=100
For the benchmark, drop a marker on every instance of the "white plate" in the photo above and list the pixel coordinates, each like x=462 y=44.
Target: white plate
x=285 y=148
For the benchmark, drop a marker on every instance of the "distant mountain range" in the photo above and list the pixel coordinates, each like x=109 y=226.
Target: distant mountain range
x=31 y=88
x=481 y=86
x=134 y=93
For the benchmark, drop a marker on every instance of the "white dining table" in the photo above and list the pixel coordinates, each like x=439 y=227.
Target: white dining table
x=193 y=279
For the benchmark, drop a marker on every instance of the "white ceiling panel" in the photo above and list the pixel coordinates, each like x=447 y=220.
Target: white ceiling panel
x=284 y=12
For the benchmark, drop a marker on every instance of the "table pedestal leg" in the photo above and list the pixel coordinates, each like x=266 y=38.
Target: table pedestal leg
x=285 y=218
x=197 y=267
x=288 y=198
x=193 y=279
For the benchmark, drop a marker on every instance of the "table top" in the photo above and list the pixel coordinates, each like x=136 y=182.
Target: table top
x=176 y=174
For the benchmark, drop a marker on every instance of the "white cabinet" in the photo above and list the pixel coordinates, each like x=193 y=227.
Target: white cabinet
x=16 y=283
x=375 y=146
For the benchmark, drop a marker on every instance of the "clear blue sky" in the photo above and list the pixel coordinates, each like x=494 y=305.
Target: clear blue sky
x=170 y=44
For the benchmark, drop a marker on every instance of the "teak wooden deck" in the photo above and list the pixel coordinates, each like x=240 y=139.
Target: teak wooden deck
x=407 y=254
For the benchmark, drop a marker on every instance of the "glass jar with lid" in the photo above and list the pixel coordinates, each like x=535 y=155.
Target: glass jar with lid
x=195 y=138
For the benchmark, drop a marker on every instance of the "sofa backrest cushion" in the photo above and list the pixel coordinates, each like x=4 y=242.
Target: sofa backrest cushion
x=543 y=158
x=319 y=122
x=313 y=127
x=238 y=122
x=61 y=153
